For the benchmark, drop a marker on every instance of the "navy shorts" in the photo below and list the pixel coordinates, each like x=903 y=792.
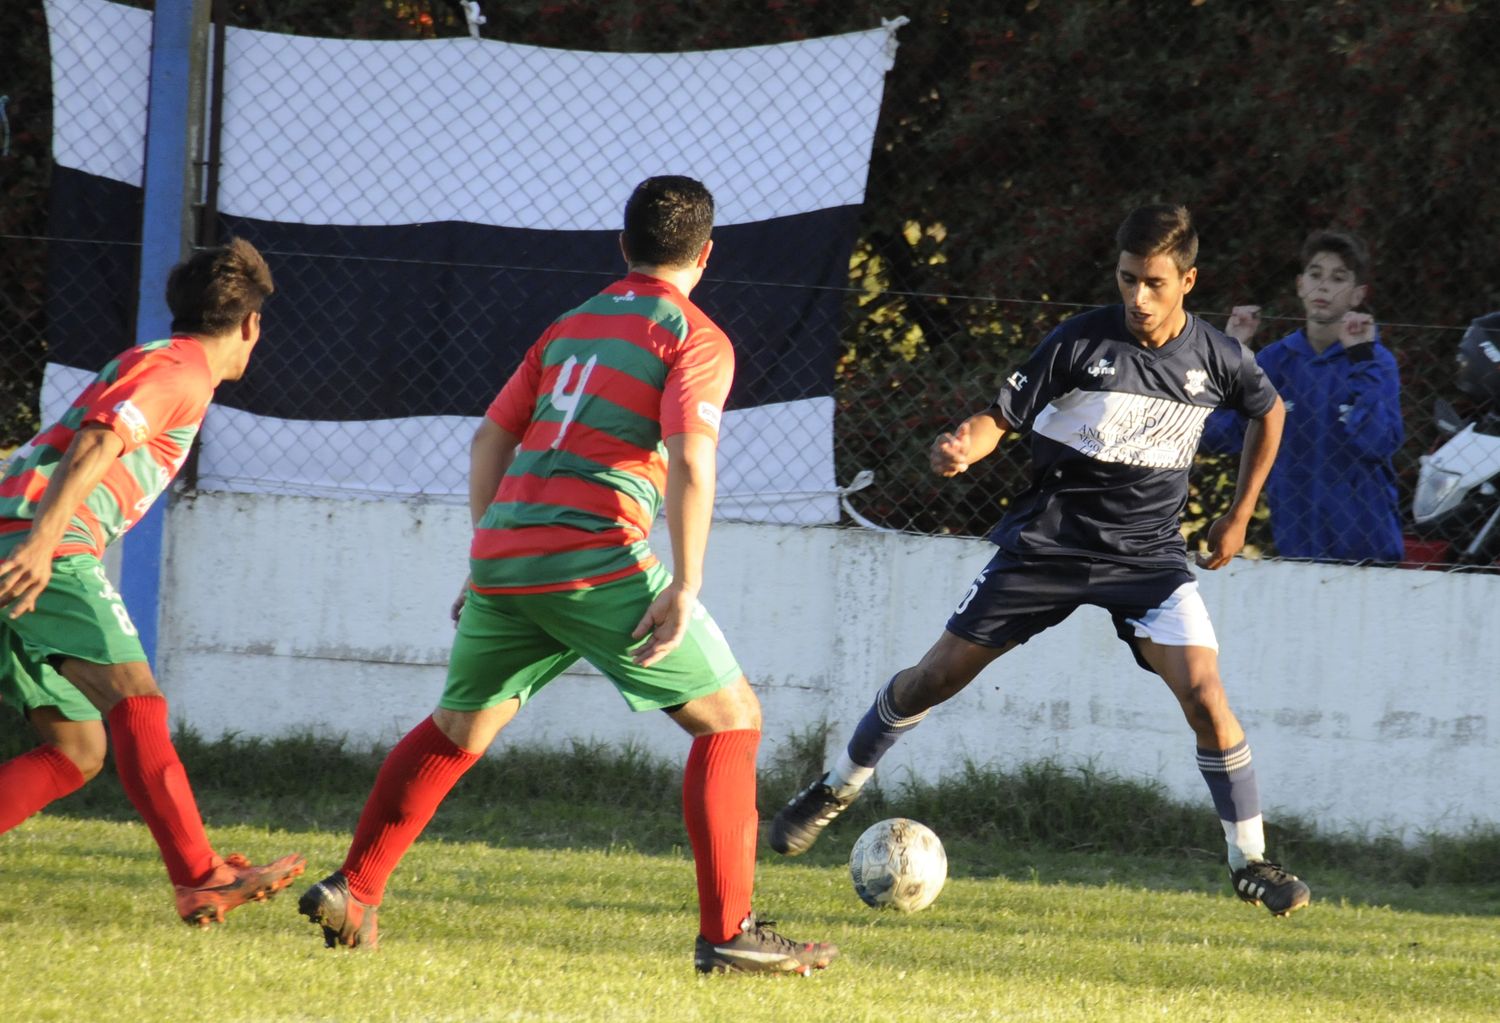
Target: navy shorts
x=1013 y=599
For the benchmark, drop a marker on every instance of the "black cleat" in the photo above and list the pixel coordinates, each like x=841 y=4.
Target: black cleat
x=802 y=820
x=1265 y=882
x=759 y=949
x=345 y=920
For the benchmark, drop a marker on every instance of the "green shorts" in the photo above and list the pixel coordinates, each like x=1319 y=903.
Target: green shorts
x=511 y=645
x=79 y=614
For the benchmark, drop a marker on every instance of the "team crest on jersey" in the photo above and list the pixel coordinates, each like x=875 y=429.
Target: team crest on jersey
x=1102 y=368
x=134 y=420
x=1197 y=381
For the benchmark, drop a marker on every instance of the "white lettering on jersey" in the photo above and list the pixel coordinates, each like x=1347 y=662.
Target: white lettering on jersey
x=1101 y=368
x=1131 y=429
x=566 y=401
x=709 y=413
x=1017 y=380
x=629 y=296
x=133 y=420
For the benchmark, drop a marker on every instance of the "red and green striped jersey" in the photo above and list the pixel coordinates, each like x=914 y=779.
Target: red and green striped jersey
x=153 y=397
x=592 y=402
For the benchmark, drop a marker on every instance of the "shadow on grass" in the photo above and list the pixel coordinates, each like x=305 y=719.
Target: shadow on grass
x=596 y=796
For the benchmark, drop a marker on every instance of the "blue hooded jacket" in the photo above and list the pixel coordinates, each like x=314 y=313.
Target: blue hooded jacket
x=1332 y=491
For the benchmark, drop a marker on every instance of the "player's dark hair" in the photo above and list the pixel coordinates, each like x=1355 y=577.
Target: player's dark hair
x=1160 y=229
x=667 y=221
x=212 y=290
x=1346 y=246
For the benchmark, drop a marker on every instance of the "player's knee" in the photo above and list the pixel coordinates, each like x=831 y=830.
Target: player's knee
x=87 y=756
x=108 y=684
x=741 y=708
x=1204 y=701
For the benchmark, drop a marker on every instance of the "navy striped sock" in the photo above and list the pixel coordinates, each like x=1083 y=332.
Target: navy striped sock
x=1230 y=775
x=876 y=733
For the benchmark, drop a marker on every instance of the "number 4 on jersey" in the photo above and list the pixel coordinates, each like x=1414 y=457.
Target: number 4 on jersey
x=566 y=401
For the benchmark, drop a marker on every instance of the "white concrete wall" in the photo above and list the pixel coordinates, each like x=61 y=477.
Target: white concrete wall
x=1370 y=695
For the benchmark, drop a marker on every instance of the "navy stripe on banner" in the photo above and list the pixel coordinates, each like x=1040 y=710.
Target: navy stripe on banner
x=92 y=266
x=430 y=319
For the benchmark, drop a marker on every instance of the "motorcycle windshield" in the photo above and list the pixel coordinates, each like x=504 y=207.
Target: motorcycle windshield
x=1438 y=491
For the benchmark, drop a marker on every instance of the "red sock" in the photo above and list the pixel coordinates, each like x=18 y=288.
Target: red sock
x=417 y=774
x=153 y=778
x=32 y=780
x=718 y=806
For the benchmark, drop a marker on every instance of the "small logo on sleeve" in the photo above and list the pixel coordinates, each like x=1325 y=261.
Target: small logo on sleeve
x=1016 y=380
x=709 y=413
x=134 y=420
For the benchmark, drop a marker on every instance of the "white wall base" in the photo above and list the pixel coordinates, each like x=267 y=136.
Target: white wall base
x=1368 y=694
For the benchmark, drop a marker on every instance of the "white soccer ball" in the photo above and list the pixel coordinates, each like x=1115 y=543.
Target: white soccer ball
x=898 y=864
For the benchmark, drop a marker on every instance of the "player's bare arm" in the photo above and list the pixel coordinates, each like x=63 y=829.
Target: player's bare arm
x=691 y=468
x=28 y=570
x=974 y=438
x=1226 y=536
x=1244 y=321
x=490 y=454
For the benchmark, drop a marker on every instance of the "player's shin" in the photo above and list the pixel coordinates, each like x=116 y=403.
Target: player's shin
x=32 y=780
x=153 y=777
x=718 y=808
x=416 y=776
x=875 y=734
x=1230 y=775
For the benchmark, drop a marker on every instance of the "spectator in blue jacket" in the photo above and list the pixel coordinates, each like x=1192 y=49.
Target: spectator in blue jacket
x=1332 y=492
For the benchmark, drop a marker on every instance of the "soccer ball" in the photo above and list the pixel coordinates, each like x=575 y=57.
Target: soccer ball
x=898 y=864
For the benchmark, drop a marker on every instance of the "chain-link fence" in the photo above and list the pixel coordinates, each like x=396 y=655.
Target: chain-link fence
x=417 y=255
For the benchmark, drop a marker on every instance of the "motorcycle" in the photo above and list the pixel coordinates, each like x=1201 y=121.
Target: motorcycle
x=1457 y=497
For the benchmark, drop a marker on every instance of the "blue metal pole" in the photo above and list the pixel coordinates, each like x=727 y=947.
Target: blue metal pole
x=173 y=113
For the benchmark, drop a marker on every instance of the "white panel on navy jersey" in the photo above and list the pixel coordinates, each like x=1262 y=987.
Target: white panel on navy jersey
x=1134 y=429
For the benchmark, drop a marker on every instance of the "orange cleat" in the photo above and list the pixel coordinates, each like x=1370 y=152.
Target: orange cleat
x=236 y=882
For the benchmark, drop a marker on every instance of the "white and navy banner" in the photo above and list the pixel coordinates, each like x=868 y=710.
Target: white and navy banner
x=428 y=207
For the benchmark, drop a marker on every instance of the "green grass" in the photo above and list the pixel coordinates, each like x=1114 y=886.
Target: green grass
x=558 y=887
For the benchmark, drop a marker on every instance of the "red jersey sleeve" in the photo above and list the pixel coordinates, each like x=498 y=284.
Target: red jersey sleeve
x=155 y=392
x=698 y=384
x=514 y=406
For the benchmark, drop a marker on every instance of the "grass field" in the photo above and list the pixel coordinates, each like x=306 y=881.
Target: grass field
x=535 y=898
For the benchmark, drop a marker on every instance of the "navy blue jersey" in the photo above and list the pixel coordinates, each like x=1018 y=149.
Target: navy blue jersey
x=1114 y=426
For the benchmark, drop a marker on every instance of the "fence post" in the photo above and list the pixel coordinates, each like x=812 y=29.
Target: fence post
x=174 y=124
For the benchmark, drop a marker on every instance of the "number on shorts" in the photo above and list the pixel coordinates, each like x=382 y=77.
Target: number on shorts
x=123 y=617
x=108 y=592
x=963 y=605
